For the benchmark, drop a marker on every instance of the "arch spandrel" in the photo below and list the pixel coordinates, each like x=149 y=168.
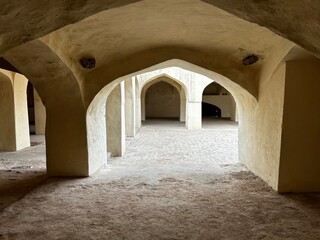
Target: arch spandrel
x=151 y=60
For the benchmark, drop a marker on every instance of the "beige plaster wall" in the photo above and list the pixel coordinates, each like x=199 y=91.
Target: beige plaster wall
x=162 y=100
x=40 y=114
x=300 y=155
x=260 y=129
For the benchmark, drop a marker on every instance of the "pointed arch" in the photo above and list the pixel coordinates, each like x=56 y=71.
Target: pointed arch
x=96 y=111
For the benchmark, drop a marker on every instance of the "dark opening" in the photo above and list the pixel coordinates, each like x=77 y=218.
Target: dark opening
x=31 y=115
x=209 y=110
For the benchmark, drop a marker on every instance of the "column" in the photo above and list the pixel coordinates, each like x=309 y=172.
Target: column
x=116 y=121
x=40 y=114
x=130 y=106
x=194 y=115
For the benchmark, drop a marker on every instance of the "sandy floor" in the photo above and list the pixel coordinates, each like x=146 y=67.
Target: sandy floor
x=164 y=196
x=169 y=142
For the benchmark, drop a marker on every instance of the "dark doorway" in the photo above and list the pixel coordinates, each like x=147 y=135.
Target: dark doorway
x=31 y=115
x=209 y=110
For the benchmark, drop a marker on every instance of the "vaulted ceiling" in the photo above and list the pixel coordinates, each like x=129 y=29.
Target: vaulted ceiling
x=125 y=36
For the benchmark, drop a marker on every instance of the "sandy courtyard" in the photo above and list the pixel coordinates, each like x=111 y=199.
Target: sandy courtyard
x=171 y=184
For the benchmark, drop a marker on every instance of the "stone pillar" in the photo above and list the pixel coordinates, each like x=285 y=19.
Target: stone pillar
x=233 y=115
x=138 y=105
x=194 y=115
x=115 y=111
x=14 y=124
x=130 y=106
x=21 y=111
x=66 y=129
x=300 y=155
x=143 y=107
x=183 y=104
x=66 y=141
x=40 y=114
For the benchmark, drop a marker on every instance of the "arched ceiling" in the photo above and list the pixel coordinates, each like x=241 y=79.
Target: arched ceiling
x=126 y=36
x=119 y=33
x=296 y=20
x=25 y=20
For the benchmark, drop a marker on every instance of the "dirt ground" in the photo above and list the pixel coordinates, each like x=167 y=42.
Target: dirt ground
x=169 y=185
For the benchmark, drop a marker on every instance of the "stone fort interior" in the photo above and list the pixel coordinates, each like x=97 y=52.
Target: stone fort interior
x=96 y=71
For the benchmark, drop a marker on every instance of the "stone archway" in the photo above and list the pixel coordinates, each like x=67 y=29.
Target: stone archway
x=215 y=94
x=179 y=86
x=96 y=122
x=162 y=100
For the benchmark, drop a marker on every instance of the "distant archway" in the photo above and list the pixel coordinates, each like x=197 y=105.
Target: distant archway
x=218 y=102
x=162 y=100
x=181 y=88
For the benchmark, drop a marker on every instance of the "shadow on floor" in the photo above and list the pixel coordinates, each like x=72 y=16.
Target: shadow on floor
x=16 y=183
x=307 y=200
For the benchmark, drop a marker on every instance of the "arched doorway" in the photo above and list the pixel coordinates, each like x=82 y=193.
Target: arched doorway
x=162 y=101
x=143 y=84
x=218 y=102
